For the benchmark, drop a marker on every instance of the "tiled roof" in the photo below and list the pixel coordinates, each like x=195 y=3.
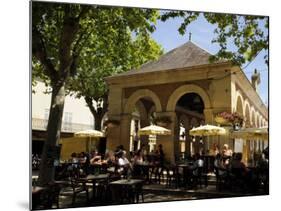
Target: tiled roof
x=186 y=55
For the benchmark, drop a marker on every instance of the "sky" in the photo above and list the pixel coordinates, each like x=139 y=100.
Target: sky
x=167 y=35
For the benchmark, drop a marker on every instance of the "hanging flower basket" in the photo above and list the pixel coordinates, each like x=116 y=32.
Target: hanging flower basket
x=226 y=118
x=221 y=120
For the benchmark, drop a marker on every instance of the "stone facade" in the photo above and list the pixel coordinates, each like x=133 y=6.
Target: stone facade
x=221 y=87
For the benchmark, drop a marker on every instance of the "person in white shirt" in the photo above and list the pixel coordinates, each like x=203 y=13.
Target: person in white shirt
x=123 y=162
x=198 y=163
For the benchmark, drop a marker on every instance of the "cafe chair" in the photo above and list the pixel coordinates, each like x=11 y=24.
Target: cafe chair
x=76 y=186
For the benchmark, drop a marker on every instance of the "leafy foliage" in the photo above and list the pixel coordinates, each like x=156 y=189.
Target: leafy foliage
x=248 y=33
x=105 y=41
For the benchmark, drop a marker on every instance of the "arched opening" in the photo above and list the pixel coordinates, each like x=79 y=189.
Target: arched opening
x=190 y=106
x=247 y=115
x=142 y=116
x=185 y=89
x=183 y=136
x=253 y=119
x=239 y=106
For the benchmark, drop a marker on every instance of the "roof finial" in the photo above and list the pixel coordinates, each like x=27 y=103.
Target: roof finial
x=190 y=36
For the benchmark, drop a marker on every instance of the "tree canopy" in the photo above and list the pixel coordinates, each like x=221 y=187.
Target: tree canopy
x=112 y=48
x=248 y=33
x=108 y=40
x=74 y=46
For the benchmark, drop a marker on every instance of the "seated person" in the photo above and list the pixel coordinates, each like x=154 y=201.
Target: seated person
x=109 y=158
x=83 y=158
x=198 y=163
x=237 y=165
x=219 y=166
x=138 y=158
x=226 y=154
x=122 y=162
x=96 y=158
x=74 y=162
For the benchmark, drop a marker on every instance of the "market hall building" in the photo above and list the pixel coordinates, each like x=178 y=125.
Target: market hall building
x=182 y=89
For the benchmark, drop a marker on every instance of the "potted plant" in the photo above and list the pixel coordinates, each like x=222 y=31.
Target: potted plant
x=227 y=118
x=223 y=118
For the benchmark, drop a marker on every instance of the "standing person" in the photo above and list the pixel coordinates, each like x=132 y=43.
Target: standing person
x=161 y=155
x=143 y=149
x=215 y=150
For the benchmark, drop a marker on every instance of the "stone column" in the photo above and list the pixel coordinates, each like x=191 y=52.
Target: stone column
x=125 y=127
x=113 y=134
x=176 y=138
x=209 y=116
x=144 y=139
x=168 y=142
x=209 y=119
x=187 y=139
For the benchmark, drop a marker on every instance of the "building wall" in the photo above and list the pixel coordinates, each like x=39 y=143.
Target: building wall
x=75 y=110
x=216 y=85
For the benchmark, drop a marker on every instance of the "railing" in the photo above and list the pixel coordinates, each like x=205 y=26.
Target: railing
x=41 y=124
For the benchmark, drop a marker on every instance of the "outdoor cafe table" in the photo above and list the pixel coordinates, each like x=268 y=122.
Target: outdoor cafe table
x=94 y=179
x=128 y=188
x=145 y=169
x=187 y=172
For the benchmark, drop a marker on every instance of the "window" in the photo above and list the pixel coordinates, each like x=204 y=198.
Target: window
x=67 y=121
x=46 y=117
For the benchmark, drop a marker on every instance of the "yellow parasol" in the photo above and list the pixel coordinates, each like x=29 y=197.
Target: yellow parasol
x=90 y=134
x=207 y=130
x=154 y=130
x=251 y=134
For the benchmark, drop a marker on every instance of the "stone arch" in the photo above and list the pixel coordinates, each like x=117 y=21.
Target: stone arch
x=253 y=117
x=140 y=94
x=185 y=89
x=141 y=109
x=258 y=119
x=239 y=104
x=247 y=113
x=151 y=110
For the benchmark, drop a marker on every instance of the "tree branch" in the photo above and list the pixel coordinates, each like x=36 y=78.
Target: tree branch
x=89 y=102
x=40 y=53
x=76 y=50
x=69 y=30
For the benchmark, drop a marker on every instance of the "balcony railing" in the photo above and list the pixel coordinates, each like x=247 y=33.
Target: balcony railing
x=41 y=124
